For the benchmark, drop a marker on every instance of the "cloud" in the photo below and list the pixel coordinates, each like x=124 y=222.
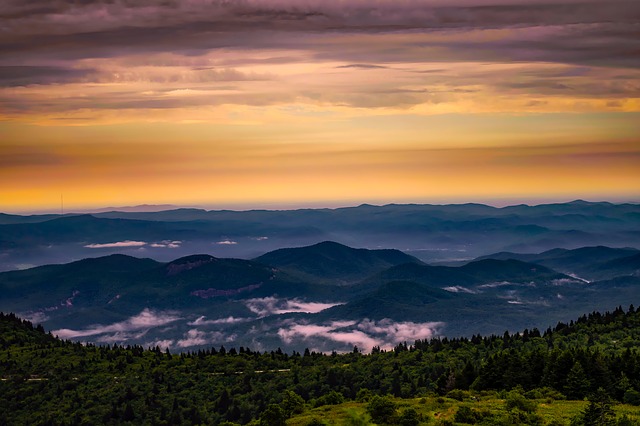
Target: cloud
x=90 y=30
x=365 y=334
x=568 y=281
x=227 y=243
x=228 y=320
x=35 y=317
x=496 y=284
x=579 y=278
x=400 y=331
x=182 y=55
x=13 y=75
x=166 y=244
x=362 y=66
x=163 y=344
x=145 y=320
x=459 y=289
x=315 y=332
x=274 y=306
x=195 y=337
x=120 y=337
x=119 y=244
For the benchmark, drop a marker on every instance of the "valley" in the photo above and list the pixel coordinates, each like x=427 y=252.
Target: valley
x=326 y=296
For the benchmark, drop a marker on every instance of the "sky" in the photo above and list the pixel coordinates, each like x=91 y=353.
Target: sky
x=224 y=103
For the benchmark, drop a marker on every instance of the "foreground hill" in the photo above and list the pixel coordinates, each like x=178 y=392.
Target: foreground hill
x=520 y=378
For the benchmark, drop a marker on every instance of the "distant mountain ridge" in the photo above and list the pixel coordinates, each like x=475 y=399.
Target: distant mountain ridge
x=432 y=233
x=589 y=262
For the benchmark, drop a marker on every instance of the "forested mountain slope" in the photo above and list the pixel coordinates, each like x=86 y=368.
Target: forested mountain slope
x=49 y=381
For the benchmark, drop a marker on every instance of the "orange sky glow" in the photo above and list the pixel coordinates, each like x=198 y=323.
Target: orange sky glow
x=328 y=103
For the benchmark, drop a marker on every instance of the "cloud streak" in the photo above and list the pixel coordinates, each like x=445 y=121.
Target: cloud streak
x=195 y=337
x=459 y=289
x=145 y=320
x=220 y=321
x=198 y=48
x=119 y=244
x=273 y=306
x=166 y=244
x=227 y=243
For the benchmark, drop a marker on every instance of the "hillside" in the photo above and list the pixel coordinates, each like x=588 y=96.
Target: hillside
x=48 y=381
x=331 y=262
x=592 y=263
x=200 y=300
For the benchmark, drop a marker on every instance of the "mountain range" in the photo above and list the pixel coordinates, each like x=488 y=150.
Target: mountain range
x=432 y=233
x=326 y=296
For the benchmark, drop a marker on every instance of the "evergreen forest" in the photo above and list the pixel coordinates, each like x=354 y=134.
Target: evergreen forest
x=585 y=372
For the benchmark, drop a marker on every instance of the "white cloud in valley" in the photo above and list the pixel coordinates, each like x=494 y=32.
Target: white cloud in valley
x=145 y=320
x=202 y=320
x=364 y=334
x=195 y=337
x=274 y=306
x=459 y=289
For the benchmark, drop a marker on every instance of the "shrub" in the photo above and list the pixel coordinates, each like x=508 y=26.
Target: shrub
x=556 y=422
x=409 y=417
x=356 y=419
x=274 y=415
x=469 y=415
x=292 y=403
x=519 y=417
x=458 y=394
x=332 y=398
x=515 y=400
x=598 y=412
x=534 y=394
x=632 y=396
x=465 y=415
x=626 y=421
x=382 y=409
x=363 y=395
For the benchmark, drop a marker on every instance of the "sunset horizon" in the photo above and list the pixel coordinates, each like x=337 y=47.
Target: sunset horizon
x=281 y=103
x=69 y=209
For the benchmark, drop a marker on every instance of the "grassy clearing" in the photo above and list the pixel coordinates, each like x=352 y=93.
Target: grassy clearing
x=348 y=413
x=438 y=410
